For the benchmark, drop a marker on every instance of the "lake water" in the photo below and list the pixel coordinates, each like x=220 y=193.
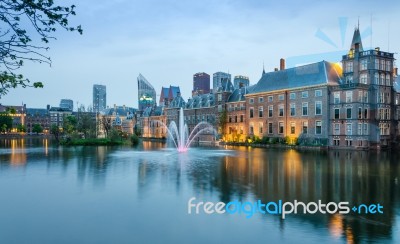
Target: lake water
x=52 y=194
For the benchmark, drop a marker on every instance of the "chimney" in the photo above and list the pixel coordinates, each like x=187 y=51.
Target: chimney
x=395 y=70
x=276 y=69
x=282 y=64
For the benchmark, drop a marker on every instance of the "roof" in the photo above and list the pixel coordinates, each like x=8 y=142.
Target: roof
x=177 y=102
x=119 y=110
x=226 y=86
x=153 y=111
x=174 y=90
x=238 y=95
x=58 y=109
x=321 y=73
x=356 y=39
x=36 y=112
x=18 y=109
x=201 y=101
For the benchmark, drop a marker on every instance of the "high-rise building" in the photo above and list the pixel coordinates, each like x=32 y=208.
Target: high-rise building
x=241 y=81
x=146 y=93
x=67 y=104
x=201 y=83
x=218 y=78
x=99 y=98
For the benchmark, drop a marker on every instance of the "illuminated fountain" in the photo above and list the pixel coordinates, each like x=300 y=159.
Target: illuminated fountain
x=181 y=137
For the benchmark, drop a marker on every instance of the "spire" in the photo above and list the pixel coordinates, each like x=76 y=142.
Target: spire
x=357 y=39
x=263 y=73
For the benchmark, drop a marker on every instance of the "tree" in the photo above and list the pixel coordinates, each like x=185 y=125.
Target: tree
x=55 y=131
x=37 y=129
x=86 y=124
x=6 y=121
x=69 y=124
x=19 y=44
x=21 y=128
x=105 y=123
x=222 y=122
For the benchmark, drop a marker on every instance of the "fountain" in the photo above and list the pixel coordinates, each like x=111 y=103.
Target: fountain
x=181 y=137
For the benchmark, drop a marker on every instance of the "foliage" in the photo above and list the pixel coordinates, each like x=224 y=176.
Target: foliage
x=91 y=142
x=134 y=139
x=69 y=124
x=55 y=130
x=115 y=135
x=37 y=128
x=222 y=121
x=137 y=130
x=21 y=128
x=19 y=44
x=6 y=121
x=105 y=123
x=86 y=124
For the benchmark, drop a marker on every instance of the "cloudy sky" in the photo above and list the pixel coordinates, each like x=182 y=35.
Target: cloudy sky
x=169 y=40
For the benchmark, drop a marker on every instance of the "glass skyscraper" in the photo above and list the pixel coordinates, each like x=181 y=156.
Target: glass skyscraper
x=146 y=93
x=99 y=98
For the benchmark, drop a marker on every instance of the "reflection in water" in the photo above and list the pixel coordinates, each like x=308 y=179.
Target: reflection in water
x=241 y=174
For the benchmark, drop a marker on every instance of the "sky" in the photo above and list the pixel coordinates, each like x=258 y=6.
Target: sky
x=168 y=41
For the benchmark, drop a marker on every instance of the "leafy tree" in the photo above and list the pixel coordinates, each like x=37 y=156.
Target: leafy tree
x=114 y=135
x=6 y=121
x=21 y=128
x=105 y=123
x=37 y=128
x=18 y=43
x=55 y=130
x=69 y=124
x=222 y=122
x=86 y=124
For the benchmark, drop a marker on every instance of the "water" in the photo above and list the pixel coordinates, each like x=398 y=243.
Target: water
x=52 y=194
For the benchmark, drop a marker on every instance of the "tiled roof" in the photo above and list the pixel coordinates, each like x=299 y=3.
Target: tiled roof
x=303 y=76
x=121 y=110
x=177 y=102
x=226 y=86
x=201 y=101
x=238 y=95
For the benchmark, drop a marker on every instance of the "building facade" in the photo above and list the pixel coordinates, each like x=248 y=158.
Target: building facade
x=201 y=83
x=146 y=93
x=67 y=104
x=99 y=98
x=220 y=77
x=38 y=116
x=241 y=81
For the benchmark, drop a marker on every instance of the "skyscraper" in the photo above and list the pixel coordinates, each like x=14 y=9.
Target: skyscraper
x=99 y=98
x=241 y=81
x=201 y=83
x=218 y=77
x=67 y=104
x=146 y=93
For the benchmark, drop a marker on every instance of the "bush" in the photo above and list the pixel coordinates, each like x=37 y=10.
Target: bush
x=134 y=139
x=114 y=135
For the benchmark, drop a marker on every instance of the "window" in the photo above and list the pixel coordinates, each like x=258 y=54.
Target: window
x=382 y=64
x=336 y=129
x=365 y=129
x=348 y=113
x=305 y=109
x=349 y=66
x=382 y=80
x=388 y=66
x=219 y=108
x=384 y=128
x=270 y=128
x=280 y=128
x=219 y=97
x=281 y=110
x=230 y=119
x=260 y=111
x=241 y=118
x=349 y=129
x=349 y=96
x=251 y=129
x=360 y=128
x=292 y=128
x=292 y=109
x=251 y=112
x=305 y=127
x=376 y=63
x=336 y=99
x=349 y=79
x=318 y=127
x=270 y=98
x=260 y=99
x=304 y=94
x=292 y=95
x=387 y=79
x=337 y=113
x=363 y=78
x=281 y=97
x=260 y=128
x=318 y=108
x=270 y=110
x=376 y=79
x=241 y=130
x=318 y=93
x=365 y=96
x=251 y=100
x=365 y=113
x=363 y=64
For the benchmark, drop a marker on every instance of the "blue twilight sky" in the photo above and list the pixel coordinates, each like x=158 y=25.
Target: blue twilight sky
x=168 y=41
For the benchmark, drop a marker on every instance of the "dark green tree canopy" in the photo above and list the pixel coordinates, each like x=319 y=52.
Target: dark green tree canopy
x=26 y=27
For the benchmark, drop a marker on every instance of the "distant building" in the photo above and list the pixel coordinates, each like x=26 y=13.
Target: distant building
x=219 y=77
x=120 y=117
x=241 y=81
x=38 y=116
x=201 y=83
x=99 y=98
x=57 y=115
x=67 y=104
x=168 y=94
x=18 y=117
x=146 y=93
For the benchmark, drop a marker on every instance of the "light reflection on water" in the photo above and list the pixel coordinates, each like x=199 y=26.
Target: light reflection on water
x=124 y=194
